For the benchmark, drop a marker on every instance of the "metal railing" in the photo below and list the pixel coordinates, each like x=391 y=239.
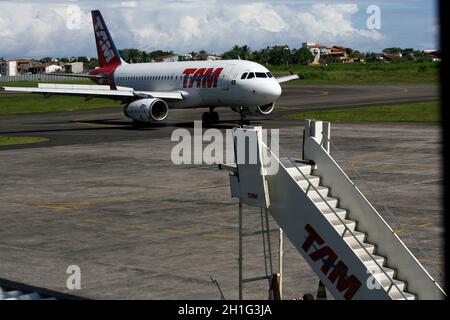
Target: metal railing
x=386 y=209
x=346 y=229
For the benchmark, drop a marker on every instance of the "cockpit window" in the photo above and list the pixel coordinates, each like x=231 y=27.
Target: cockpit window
x=269 y=75
x=244 y=76
x=260 y=75
x=250 y=75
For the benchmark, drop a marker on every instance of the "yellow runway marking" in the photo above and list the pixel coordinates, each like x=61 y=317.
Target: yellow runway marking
x=431 y=261
x=96 y=221
x=219 y=236
x=135 y=226
x=402 y=164
x=320 y=92
x=176 y=231
x=54 y=207
x=424 y=225
x=108 y=200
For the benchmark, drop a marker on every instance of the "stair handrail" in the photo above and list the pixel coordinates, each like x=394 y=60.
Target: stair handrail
x=386 y=208
x=345 y=226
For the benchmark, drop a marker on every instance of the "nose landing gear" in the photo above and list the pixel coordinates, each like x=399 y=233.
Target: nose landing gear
x=210 y=117
x=243 y=121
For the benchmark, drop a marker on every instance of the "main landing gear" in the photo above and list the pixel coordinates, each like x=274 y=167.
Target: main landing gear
x=210 y=117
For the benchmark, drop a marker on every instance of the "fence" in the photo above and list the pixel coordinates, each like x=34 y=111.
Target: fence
x=36 y=77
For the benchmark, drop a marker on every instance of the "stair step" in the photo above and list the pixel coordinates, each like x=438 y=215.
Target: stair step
x=365 y=258
x=294 y=171
x=332 y=202
x=339 y=226
x=398 y=296
x=386 y=283
x=361 y=236
x=304 y=184
x=312 y=194
x=378 y=274
x=356 y=247
x=331 y=216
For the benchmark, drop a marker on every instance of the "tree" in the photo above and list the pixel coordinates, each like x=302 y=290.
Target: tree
x=144 y=56
x=83 y=59
x=158 y=53
x=133 y=55
x=393 y=49
x=302 y=56
x=93 y=63
x=279 y=55
x=237 y=52
x=371 y=57
x=46 y=59
x=246 y=52
x=130 y=55
x=234 y=53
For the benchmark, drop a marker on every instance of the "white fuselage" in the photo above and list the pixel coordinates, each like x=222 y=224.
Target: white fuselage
x=203 y=83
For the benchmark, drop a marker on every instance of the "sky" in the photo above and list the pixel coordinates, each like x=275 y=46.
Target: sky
x=53 y=28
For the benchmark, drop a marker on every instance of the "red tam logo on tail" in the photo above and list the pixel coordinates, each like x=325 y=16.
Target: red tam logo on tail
x=106 y=50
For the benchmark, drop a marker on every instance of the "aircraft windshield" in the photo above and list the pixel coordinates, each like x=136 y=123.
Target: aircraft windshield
x=250 y=75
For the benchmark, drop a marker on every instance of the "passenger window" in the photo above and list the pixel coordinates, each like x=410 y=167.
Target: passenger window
x=251 y=75
x=244 y=75
x=260 y=75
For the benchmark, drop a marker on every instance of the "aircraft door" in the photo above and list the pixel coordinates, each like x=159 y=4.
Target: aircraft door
x=227 y=77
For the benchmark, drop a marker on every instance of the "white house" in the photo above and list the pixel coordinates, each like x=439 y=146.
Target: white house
x=8 y=68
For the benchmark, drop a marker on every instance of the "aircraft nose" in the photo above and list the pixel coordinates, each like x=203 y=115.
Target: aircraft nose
x=273 y=90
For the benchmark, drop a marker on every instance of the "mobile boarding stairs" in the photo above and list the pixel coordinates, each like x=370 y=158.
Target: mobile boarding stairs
x=345 y=241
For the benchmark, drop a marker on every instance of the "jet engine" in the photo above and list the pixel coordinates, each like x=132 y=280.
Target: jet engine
x=147 y=110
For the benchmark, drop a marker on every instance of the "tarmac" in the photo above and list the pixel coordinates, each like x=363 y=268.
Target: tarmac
x=105 y=196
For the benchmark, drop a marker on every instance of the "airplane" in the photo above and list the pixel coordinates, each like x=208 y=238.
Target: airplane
x=149 y=90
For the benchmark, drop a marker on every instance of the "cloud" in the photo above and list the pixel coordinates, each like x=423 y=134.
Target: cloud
x=332 y=23
x=31 y=29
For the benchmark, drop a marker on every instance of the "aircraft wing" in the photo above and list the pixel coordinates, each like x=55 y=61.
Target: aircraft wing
x=287 y=78
x=101 y=91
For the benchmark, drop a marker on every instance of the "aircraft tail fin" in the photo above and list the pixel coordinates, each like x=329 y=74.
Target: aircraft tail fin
x=108 y=55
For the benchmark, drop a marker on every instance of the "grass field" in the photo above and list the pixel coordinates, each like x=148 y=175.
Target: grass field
x=429 y=111
x=359 y=73
x=6 y=140
x=35 y=103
